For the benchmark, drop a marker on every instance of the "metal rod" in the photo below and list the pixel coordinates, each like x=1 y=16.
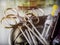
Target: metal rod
x=33 y=38
x=55 y=27
x=30 y=21
x=24 y=35
x=35 y=34
x=47 y=30
x=38 y=33
x=28 y=36
x=43 y=33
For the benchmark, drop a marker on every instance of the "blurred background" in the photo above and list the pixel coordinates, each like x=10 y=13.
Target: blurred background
x=4 y=33
x=4 y=4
